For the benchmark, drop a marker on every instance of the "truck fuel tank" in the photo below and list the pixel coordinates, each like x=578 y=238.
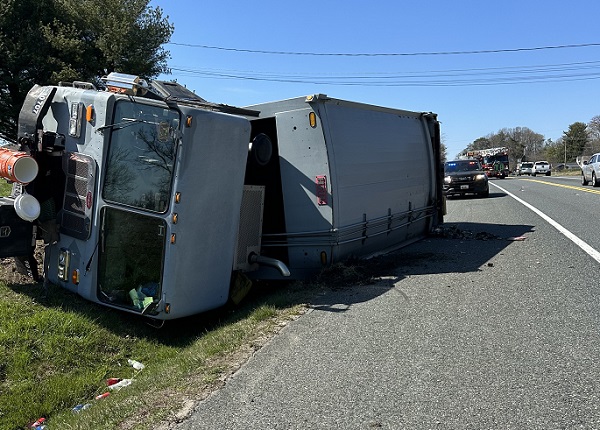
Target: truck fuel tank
x=16 y=234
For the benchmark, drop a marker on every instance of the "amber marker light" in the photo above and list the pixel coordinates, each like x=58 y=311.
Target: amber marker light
x=177 y=197
x=175 y=217
x=89 y=113
x=172 y=238
x=75 y=277
x=323 y=258
x=188 y=121
x=312 y=119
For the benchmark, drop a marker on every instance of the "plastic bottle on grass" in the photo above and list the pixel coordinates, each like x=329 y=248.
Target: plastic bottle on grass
x=81 y=407
x=122 y=383
x=37 y=424
x=135 y=364
x=112 y=381
x=102 y=396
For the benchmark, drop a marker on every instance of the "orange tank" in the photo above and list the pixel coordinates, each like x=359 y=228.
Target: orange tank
x=17 y=166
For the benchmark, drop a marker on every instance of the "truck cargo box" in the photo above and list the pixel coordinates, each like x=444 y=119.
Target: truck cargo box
x=347 y=179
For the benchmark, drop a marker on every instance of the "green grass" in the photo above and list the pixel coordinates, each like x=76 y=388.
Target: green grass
x=58 y=350
x=4 y=188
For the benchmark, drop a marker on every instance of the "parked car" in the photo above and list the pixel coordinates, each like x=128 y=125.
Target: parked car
x=525 y=169
x=590 y=171
x=541 y=168
x=465 y=177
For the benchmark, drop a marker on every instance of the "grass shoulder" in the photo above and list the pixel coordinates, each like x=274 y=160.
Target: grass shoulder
x=59 y=350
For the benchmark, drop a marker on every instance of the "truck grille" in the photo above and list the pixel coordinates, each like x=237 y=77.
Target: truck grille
x=76 y=217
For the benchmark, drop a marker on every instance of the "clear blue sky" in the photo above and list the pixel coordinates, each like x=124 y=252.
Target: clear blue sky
x=473 y=94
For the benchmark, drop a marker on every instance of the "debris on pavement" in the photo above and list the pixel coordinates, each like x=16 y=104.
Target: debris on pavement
x=456 y=233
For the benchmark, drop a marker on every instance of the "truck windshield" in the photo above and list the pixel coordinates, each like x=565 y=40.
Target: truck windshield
x=141 y=155
x=128 y=277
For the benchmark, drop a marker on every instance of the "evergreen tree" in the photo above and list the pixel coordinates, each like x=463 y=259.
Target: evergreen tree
x=575 y=140
x=48 y=41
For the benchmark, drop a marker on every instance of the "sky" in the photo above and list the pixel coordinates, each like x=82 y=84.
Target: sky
x=481 y=66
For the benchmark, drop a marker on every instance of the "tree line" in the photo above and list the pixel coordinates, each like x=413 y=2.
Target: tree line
x=581 y=139
x=46 y=42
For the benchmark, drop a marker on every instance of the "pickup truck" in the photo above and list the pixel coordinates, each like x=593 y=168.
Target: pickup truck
x=525 y=168
x=541 y=168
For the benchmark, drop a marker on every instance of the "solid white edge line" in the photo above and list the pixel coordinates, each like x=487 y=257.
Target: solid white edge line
x=580 y=243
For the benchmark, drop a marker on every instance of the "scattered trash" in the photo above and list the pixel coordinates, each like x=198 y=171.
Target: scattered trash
x=112 y=381
x=81 y=407
x=122 y=383
x=518 y=238
x=135 y=364
x=102 y=396
x=139 y=298
x=490 y=264
x=39 y=424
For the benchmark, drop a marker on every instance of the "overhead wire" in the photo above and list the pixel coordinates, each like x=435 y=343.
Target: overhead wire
x=574 y=71
x=384 y=54
x=453 y=77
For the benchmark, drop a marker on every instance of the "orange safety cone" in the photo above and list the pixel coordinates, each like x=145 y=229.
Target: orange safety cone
x=17 y=166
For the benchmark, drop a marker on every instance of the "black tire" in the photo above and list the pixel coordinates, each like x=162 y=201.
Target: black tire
x=548 y=173
x=583 y=180
x=486 y=193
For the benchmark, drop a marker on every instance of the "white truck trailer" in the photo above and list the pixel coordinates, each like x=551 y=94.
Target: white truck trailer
x=156 y=202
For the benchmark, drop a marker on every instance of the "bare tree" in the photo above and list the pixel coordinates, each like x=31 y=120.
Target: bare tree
x=593 y=128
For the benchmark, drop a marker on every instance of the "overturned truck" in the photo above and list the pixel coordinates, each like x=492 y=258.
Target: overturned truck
x=155 y=201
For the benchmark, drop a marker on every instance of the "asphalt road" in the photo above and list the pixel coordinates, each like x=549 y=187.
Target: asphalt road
x=473 y=330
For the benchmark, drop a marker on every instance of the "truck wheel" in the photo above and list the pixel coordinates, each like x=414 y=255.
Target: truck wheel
x=595 y=182
x=548 y=173
x=583 y=180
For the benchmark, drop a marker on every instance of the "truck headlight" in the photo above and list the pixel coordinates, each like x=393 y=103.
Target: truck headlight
x=63 y=264
x=480 y=177
x=448 y=180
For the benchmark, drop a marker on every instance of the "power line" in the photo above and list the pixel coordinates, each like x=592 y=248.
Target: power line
x=523 y=69
x=384 y=54
x=454 y=77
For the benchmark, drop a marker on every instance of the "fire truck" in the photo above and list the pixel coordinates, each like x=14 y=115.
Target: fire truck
x=493 y=160
x=152 y=200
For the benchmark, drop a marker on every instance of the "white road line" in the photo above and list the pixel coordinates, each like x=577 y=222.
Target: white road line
x=580 y=243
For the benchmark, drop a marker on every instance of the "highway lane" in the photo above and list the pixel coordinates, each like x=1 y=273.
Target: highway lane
x=472 y=329
x=564 y=199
